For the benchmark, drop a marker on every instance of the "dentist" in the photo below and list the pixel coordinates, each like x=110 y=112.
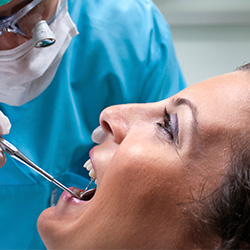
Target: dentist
x=61 y=63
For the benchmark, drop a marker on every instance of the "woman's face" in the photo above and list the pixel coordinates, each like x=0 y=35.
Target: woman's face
x=152 y=171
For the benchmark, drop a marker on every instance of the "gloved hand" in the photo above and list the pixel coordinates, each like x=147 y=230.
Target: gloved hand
x=4 y=129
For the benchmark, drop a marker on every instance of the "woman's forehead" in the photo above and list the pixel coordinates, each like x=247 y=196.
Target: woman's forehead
x=233 y=87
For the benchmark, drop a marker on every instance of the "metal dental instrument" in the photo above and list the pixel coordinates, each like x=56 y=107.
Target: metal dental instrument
x=92 y=180
x=16 y=154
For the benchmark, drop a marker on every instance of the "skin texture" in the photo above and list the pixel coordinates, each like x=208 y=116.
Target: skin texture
x=146 y=182
x=9 y=40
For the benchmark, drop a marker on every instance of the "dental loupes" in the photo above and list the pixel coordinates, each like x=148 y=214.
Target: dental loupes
x=18 y=155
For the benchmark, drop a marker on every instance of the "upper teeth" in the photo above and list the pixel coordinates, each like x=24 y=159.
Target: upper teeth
x=88 y=165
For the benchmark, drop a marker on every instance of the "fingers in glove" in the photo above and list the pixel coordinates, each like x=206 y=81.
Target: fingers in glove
x=4 y=124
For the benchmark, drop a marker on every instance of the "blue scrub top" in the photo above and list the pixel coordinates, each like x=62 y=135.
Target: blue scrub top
x=123 y=54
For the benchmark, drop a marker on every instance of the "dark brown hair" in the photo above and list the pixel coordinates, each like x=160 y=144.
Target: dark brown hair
x=228 y=210
x=226 y=213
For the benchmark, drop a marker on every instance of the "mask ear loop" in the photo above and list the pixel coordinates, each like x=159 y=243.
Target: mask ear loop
x=42 y=35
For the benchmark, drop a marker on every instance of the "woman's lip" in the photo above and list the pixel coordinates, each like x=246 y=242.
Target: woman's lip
x=66 y=196
x=91 y=154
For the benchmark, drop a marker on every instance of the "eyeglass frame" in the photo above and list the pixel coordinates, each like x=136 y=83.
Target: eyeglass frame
x=9 y=24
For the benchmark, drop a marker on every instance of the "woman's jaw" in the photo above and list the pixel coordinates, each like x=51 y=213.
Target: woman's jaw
x=123 y=210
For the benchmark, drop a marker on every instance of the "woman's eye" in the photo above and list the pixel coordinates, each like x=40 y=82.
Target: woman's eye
x=170 y=125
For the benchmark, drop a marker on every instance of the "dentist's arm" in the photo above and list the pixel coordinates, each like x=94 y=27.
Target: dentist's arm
x=4 y=129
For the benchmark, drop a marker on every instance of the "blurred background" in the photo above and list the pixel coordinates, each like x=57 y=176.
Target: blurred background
x=211 y=37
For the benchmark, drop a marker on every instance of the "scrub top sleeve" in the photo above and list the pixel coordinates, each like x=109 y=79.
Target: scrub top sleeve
x=163 y=76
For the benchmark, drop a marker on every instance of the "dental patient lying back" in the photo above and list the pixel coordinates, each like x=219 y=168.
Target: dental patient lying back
x=171 y=174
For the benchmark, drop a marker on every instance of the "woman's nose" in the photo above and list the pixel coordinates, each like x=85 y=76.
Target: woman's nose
x=117 y=120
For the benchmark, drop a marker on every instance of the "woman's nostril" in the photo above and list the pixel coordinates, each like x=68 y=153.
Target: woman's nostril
x=106 y=127
x=114 y=122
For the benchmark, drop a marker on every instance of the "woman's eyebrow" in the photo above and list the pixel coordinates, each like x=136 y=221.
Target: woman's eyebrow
x=182 y=101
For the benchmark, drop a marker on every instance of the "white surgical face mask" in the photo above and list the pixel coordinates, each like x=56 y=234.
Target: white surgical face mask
x=25 y=71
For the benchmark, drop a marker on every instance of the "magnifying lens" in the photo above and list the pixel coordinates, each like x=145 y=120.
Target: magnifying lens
x=42 y=35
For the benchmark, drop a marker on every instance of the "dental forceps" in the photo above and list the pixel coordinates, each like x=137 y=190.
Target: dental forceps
x=18 y=155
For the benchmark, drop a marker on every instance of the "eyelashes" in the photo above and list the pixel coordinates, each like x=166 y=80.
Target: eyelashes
x=169 y=125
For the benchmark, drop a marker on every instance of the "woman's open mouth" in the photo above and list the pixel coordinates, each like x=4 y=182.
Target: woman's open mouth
x=85 y=195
